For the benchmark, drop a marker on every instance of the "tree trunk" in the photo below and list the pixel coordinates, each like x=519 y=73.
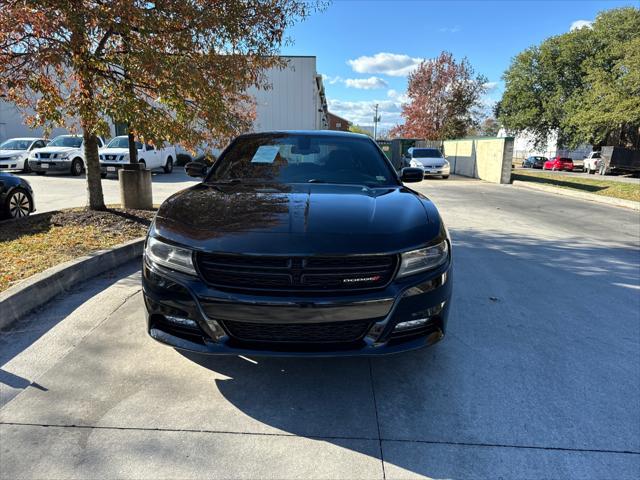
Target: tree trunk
x=133 y=151
x=94 y=183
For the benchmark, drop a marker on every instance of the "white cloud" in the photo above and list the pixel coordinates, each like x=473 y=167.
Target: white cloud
x=331 y=80
x=366 y=83
x=450 y=29
x=580 y=24
x=393 y=64
x=397 y=96
x=361 y=112
x=490 y=86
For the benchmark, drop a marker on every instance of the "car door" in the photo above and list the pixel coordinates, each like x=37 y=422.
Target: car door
x=151 y=157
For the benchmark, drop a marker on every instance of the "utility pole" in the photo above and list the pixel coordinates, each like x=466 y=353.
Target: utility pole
x=376 y=119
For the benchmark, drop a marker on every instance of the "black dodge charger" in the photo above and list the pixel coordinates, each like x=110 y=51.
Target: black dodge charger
x=298 y=243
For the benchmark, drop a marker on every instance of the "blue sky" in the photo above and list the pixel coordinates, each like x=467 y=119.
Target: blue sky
x=364 y=48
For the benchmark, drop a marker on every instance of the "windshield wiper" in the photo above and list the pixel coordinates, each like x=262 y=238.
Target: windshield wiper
x=316 y=180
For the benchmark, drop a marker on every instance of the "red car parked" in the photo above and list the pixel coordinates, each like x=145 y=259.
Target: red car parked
x=558 y=163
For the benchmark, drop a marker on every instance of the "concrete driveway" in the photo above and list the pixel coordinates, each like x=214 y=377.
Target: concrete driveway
x=538 y=377
x=53 y=192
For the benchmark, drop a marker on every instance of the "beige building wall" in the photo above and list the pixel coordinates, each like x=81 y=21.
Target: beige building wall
x=484 y=158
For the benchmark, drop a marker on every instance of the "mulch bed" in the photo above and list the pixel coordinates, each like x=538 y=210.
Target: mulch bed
x=33 y=244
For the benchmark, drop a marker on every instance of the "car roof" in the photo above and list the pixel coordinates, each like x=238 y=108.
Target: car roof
x=315 y=133
x=26 y=138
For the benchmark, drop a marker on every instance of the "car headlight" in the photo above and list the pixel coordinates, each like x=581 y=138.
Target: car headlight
x=417 y=261
x=170 y=256
x=415 y=163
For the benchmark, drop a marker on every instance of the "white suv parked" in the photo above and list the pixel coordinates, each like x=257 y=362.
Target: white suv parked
x=116 y=154
x=15 y=151
x=64 y=153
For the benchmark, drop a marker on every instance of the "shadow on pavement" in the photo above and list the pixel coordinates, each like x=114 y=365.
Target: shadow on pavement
x=525 y=342
x=18 y=337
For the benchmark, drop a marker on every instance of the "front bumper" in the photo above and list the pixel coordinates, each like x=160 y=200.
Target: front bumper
x=54 y=165
x=169 y=294
x=437 y=171
x=12 y=164
x=110 y=167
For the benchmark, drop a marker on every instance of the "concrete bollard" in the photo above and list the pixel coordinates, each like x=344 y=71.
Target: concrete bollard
x=135 y=189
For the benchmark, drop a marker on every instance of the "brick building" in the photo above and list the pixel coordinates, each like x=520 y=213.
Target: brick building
x=338 y=123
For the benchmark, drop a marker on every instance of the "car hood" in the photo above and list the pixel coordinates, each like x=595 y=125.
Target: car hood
x=298 y=219
x=8 y=153
x=114 y=151
x=55 y=149
x=435 y=161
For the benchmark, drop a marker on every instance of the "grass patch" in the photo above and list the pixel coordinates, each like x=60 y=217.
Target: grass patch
x=33 y=244
x=605 y=188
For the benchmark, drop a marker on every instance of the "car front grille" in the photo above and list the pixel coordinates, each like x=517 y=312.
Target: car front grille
x=44 y=155
x=332 y=332
x=310 y=274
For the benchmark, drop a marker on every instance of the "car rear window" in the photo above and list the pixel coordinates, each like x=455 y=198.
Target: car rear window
x=303 y=158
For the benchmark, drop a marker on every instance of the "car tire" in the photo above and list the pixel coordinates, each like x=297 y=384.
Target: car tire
x=25 y=167
x=444 y=177
x=143 y=164
x=18 y=204
x=76 y=167
x=553 y=169
x=103 y=175
x=168 y=168
x=41 y=173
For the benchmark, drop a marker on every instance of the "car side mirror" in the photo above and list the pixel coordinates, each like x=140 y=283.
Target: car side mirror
x=412 y=175
x=196 y=169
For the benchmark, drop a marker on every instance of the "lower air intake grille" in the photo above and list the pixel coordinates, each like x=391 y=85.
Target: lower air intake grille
x=334 y=332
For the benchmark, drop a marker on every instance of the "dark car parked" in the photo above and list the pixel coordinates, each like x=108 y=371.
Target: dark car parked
x=534 y=162
x=298 y=243
x=16 y=196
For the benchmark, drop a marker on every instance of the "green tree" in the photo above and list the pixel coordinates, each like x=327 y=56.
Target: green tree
x=174 y=70
x=583 y=85
x=356 y=129
x=489 y=127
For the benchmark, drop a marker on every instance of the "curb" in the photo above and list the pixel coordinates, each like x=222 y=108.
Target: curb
x=617 y=202
x=38 y=289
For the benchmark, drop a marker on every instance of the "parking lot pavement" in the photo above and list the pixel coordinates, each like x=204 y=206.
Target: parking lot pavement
x=54 y=192
x=537 y=378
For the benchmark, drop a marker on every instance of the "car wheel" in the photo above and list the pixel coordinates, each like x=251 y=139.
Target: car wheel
x=553 y=169
x=41 y=173
x=444 y=177
x=143 y=164
x=168 y=168
x=103 y=175
x=76 y=167
x=18 y=204
x=25 y=167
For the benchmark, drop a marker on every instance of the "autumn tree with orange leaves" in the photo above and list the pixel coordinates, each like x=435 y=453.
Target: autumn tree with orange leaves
x=173 y=71
x=444 y=100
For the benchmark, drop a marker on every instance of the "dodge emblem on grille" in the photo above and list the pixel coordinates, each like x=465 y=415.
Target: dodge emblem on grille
x=373 y=278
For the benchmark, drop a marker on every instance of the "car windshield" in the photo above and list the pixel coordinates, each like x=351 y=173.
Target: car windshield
x=122 y=142
x=426 y=153
x=303 y=158
x=66 y=141
x=15 y=144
